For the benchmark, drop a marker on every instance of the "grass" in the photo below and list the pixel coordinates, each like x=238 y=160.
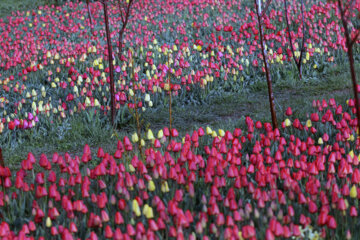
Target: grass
x=225 y=110
x=7 y=6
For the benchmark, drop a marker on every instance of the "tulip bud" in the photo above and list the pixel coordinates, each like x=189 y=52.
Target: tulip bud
x=280 y=215
x=221 y=132
x=131 y=168
x=148 y=211
x=134 y=138
x=165 y=187
x=287 y=122
x=150 y=135
x=136 y=208
x=308 y=123
x=353 y=192
x=348 y=235
x=151 y=186
x=256 y=213
x=48 y=222
x=208 y=131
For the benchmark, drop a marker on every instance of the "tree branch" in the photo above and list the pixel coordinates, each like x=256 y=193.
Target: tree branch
x=267 y=4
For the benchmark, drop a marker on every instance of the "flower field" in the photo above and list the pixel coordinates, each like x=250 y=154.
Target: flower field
x=298 y=181
x=53 y=65
x=257 y=183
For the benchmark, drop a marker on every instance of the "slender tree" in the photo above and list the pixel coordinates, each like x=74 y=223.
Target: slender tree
x=298 y=61
x=260 y=14
x=350 y=39
x=111 y=66
x=89 y=12
x=125 y=13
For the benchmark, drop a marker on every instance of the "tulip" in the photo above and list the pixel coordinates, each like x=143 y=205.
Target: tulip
x=165 y=187
x=135 y=138
x=287 y=122
x=147 y=211
x=151 y=186
x=353 y=192
x=208 y=131
x=48 y=222
x=136 y=208
x=150 y=135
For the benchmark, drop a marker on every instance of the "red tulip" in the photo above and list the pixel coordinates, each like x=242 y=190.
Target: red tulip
x=288 y=111
x=108 y=232
x=269 y=235
x=331 y=223
x=11 y=125
x=312 y=207
x=248 y=232
x=353 y=212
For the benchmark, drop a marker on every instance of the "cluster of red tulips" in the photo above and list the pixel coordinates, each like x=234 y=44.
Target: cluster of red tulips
x=299 y=181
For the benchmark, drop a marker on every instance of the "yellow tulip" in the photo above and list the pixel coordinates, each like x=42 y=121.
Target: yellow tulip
x=160 y=134
x=136 y=208
x=287 y=122
x=151 y=186
x=131 y=92
x=96 y=103
x=165 y=187
x=48 y=222
x=150 y=135
x=208 y=130
x=221 y=132
x=353 y=191
x=351 y=153
x=135 y=138
x=148 y=211
x=131 y=168
x=87 y=102
x=308 y=123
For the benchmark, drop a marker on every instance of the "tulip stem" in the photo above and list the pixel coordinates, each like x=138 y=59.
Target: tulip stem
x=170 y=113
x=137 y=117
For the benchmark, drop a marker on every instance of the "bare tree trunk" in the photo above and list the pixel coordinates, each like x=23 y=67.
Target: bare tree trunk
x=349 y=44
x=112 y=87
x=89 y=12
x=124 y=19
x=354 y=83
x=121 y=33
x=267 y=70
x=298 y=61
